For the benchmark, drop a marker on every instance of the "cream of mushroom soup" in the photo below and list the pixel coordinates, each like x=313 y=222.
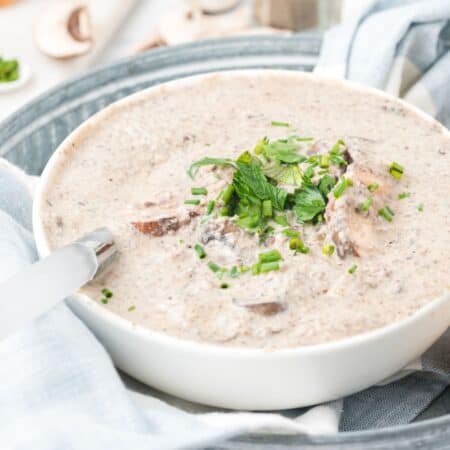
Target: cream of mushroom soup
x=266 y=210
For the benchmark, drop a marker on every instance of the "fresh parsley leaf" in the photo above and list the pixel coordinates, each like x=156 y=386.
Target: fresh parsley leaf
x=309 y=203
x=283 y=174
x=283 y=151
x=221 y=162
x=326 y=184
x=250 y=182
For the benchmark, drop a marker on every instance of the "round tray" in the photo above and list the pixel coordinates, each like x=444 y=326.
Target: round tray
x=30 y=136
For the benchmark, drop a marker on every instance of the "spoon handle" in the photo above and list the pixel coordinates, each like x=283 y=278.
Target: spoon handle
x=41 y=285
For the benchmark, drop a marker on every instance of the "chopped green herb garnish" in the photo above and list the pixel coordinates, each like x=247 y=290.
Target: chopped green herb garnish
x=200 y=251
x=192 y=201
x=214 y=267
x=328 y=249
x=221 y=162
x=256 y=269
x=365 y=206
x=251 y=184
x=228 y=194
x=340 y=188
x=336 y=156
x=403 y=195
x=9 y=70
x=396 y=170
x=326 y=184
x=352 y=269
x=373 y=187
x=104 y=301
x=309 y=202
x=281 y=220
x=386 y=213
x=270 y=256
x=267 y=208
x=131 y=308
x=291 y=233
x=269 y=266
x=276 y=123
x=107 y=293
x=199 y=191
x=420 y=207
x=210 y=207
x=234 y=272
x=389 y=210
x=224 y=212
x=224 y=286
x=294 y=243
x=325 y=161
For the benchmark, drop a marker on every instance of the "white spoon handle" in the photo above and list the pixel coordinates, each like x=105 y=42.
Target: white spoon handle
x=43 y=284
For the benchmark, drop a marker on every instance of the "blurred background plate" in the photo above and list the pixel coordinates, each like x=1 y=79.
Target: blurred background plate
x=31 y=135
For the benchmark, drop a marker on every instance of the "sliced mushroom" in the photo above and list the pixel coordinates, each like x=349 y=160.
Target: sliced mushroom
x=162 y=225
x=190 y=23
x=352 y=230
x=265 y=308
x=64 y=31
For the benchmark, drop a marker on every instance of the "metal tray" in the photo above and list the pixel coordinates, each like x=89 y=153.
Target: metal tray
x=30 y=136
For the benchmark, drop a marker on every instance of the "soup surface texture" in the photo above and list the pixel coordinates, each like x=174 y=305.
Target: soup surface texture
x=334 y=222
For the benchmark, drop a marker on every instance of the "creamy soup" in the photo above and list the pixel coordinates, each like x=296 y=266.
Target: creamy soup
x=320 y=212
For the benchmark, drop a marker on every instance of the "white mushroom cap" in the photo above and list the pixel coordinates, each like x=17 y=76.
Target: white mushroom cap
x=189 y=23
x=64 y=31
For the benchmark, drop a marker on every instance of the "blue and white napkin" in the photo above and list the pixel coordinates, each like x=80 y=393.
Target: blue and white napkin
x=58 y=387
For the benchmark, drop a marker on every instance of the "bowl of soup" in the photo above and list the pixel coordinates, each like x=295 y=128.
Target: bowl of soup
x=282 y=238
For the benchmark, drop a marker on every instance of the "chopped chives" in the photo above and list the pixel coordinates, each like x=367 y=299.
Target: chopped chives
x=373 y=187
x=269 y=266
x=234 y=272
x=213 y=267
x=192 y=201
x=389 y=210
x=105 y=301
x=270 y=256
x=294 y=243
x=227 y=194
x=267 y=208
x=200 y=251
x=325 y=161
x=352 y=269
x=420 y=207
x=396 y=170
x=403 y=195
x=131 y=308
x=302 y=248
x=244 y=269
x=224 y=286
x=199 y=191
x=367 y=203
x=256 y=269
x=384 y=212
x=210 y=207
x=107 y=293
x=342 y=186
x=276 y=123
x=328 y=249
x=225 y=211
x=281 y=220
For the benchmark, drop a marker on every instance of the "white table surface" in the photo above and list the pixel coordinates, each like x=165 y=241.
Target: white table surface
x=16 y=40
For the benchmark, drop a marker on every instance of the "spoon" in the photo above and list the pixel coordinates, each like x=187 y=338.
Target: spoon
x=41 y=285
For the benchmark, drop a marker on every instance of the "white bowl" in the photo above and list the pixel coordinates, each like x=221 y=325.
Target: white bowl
x=245 y=378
